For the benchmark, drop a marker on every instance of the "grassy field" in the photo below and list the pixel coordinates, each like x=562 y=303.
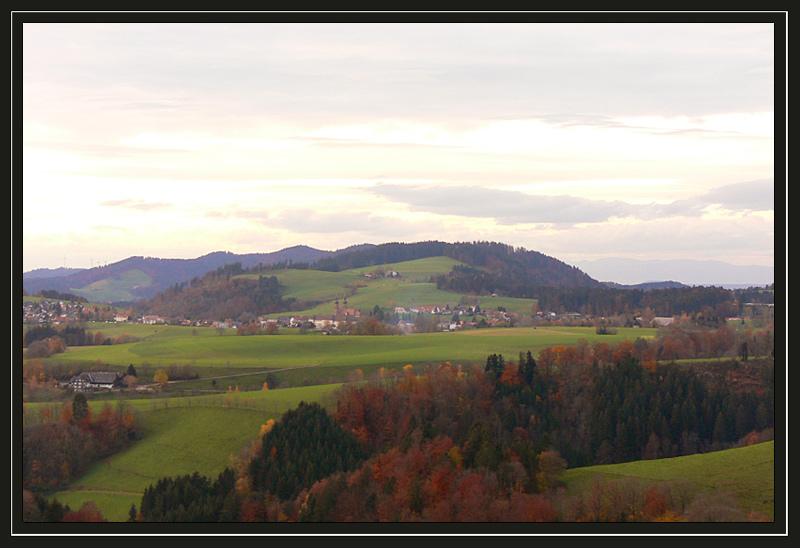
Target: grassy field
x=748 y=472
x=313 y=358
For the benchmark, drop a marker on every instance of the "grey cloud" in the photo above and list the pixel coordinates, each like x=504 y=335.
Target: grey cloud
x=740 y=197
x=505 y=206
x=406 y=70
x=509 y=207
x=750 y=195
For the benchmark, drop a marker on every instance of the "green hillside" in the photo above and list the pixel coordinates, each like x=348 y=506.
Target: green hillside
x=747 y=472
x=115 y=288
x=412 y=287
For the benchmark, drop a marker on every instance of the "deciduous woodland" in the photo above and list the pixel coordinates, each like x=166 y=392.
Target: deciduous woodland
x=486 y=444
x=62 y=446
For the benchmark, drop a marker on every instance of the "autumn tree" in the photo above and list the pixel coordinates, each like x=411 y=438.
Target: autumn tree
x=161 y=377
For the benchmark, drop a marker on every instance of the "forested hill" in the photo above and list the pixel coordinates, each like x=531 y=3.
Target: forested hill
x=487 y=268
x=493 y=267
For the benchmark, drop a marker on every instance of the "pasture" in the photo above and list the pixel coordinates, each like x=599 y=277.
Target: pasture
x=747 y=472
x=311 y=358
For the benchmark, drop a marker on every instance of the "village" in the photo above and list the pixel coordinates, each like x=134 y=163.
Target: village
x=405 y=320
x=64 y=312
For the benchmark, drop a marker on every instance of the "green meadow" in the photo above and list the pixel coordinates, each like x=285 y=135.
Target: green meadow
x=747 y=472
x=313 y=356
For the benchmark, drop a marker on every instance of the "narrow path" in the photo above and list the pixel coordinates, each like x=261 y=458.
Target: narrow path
x=238 y=374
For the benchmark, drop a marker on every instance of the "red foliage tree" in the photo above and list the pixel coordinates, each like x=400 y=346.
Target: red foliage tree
x=88 y=512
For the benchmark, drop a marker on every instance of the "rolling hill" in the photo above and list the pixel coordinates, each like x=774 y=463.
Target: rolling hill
x=474 y=268
x=431 y=273
x=137 y=278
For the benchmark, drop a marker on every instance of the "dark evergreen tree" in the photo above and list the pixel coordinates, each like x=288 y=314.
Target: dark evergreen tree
x=305 y=446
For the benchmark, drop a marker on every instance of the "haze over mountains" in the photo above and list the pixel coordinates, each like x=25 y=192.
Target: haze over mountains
x=686 y=271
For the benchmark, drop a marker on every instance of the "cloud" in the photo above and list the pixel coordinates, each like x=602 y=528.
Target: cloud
x=513 y=207
x=506 y=207
x=256 y=72
x=743 y=197
x=747 y=196
x=139 y=205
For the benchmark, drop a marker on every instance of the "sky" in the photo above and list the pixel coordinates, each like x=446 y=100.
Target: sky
x=578 y=140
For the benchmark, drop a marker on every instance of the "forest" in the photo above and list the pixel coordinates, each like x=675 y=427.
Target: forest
x=484 y=444
x=218 y=295
x=502 y=260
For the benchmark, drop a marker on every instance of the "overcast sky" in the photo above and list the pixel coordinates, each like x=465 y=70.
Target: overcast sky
x=579 y=140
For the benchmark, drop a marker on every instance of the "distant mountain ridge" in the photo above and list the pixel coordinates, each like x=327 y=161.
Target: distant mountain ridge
x=685 y=271
x=493 y=267
x=50 y=272
x=164 y=273
x=646 y=286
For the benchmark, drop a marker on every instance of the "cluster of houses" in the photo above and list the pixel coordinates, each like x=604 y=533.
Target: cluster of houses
x=52 y=312
x=323 y=322
x=58 y=312
x=452 y=319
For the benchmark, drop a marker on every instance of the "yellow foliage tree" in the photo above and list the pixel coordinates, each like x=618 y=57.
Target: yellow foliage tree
x=161 y=376
x=267 y=427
